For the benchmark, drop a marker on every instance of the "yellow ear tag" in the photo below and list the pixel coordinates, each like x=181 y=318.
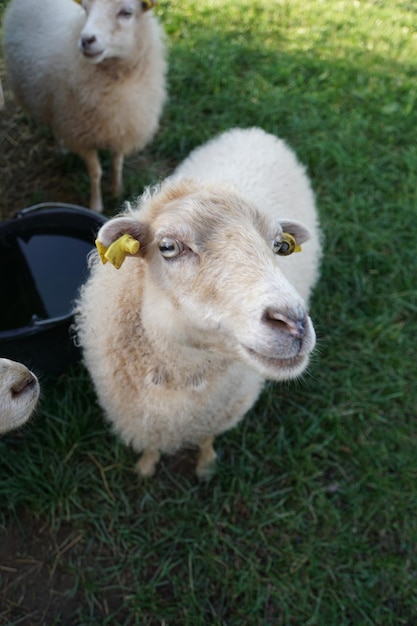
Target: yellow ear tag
x=78 y=1
x=295 y=247
x=101 y=250
x=291 y=243
x=148 y=4
x=118 y=250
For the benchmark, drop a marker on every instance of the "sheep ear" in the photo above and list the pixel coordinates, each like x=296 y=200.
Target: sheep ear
x=118 y=226
x=120 y=237
x=297 y=230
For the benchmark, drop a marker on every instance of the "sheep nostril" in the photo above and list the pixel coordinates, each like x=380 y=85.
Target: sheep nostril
x=28 y=380
x=295 y=327
x=87 y=42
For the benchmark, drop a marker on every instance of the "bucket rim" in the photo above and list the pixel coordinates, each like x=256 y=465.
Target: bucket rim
x=66 y=206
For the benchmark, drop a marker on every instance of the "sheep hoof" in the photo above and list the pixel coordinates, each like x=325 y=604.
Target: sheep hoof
x=146 y=466
x=206 y=458
x=205 y=472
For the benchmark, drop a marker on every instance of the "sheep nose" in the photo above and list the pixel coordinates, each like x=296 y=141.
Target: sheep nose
x=87 y=41
x=295 y=327
x=26 y=380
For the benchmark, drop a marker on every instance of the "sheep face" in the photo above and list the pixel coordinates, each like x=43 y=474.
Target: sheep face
x=111 y=28
x=213 y=281
x=19 y=393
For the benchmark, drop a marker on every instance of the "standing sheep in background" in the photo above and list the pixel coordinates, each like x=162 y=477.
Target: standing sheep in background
x=208 y=303
x=19 y=394
x=95 y=74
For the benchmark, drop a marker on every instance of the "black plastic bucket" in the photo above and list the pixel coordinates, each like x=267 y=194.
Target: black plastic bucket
x=43 y=262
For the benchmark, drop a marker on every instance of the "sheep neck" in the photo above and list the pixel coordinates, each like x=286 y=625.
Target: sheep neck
x=119 y=69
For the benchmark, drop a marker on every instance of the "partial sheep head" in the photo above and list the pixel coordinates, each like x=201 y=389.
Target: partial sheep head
x=111 y=28
x=19 y=394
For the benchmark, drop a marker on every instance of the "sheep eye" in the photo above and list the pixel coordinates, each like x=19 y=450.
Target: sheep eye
x=170 y=248
x=285 y=245
x=125 y=13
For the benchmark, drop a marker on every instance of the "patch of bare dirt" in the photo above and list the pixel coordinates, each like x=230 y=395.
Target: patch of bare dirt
x=35 y=584
x=55 y=576
x=32 y=169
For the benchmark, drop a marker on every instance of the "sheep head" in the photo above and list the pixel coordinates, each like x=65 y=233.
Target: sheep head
x=212 y=276
x=111 y=28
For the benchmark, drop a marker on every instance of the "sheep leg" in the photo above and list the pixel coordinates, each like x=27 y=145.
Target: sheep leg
x=117 y=183
x=94 y=172
x=206 y=457
x=146 y=466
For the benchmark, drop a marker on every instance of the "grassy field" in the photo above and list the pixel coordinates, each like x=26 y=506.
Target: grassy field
x=311 y=517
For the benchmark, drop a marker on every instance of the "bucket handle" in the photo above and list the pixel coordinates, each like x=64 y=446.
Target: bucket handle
x=51 y=205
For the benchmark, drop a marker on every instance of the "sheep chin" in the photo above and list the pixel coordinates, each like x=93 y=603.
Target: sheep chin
x=274 y=368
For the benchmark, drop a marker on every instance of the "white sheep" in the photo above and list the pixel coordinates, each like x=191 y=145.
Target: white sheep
x=181 y=338
x=95 y=74
x=19 y=394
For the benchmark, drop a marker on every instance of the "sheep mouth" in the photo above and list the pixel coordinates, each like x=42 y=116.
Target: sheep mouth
x=287 y=365
x=93 y=55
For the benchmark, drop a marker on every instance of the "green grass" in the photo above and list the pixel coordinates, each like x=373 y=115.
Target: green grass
x=311 y=517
